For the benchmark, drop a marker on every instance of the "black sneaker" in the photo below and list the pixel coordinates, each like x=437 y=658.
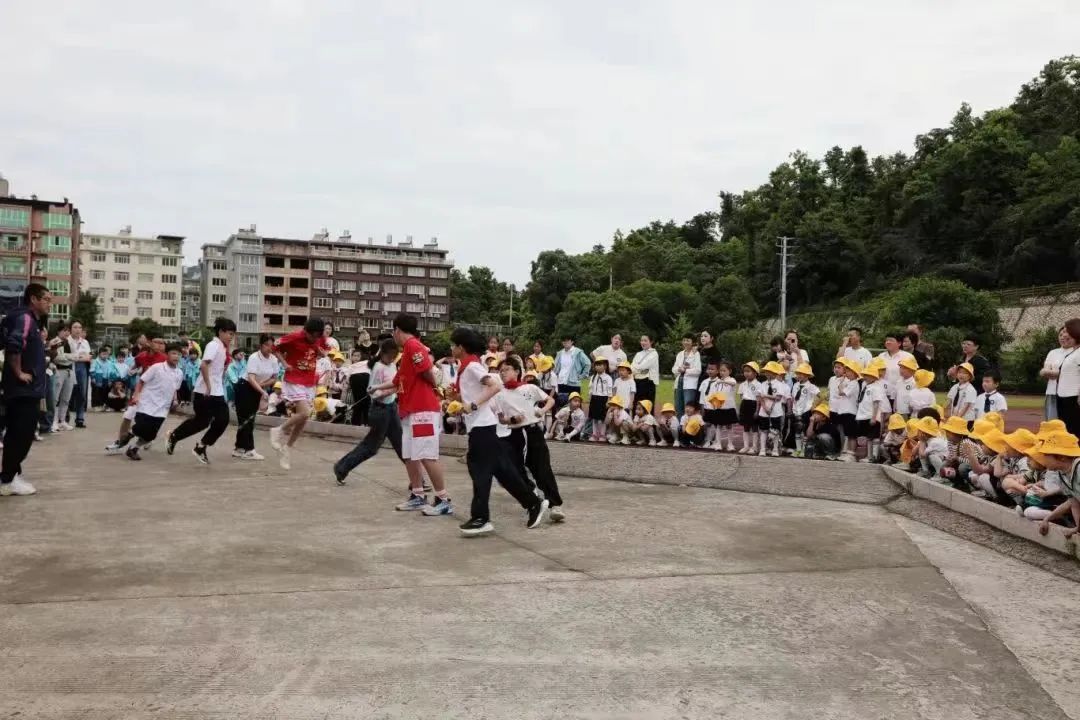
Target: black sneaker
x=536 y=514
x=133 y=453
x=477 y=526
x=200 y=452
x=80 y=425
x=170 y=445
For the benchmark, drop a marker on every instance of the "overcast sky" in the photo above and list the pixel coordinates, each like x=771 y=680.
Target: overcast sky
x=503 y=128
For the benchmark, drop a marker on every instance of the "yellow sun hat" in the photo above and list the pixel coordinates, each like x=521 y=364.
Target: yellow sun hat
x=929 y=426
x=573 y=396
x=955 y=425
x=996 y=418
x=851 y=365
x=1021 y=440
x=804 y=369
x=896 y=422
x=873 y=371
x=320 y=404
x=981 y=428
x=753 y=366
x=995 y=440
x=625 y=364
x=1058 y=443
x=278 y=385
x=910 y=363
x=532 y=374
x=912 y=426
x=616 y=401
x=321 y=390
x=924 y=378
x=774 y=367
x=544 y=364
x=667 y=408
x=822 y=409
x=454 y=408
x=1048 y=427
x=716 y=399
x=647 y=404
x=693 y=426
x=968 y=367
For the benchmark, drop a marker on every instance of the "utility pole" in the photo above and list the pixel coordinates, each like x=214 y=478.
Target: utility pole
x=783 y=242
x=511 y=310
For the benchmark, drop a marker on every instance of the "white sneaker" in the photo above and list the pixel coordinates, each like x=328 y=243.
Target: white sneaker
x=652 y=443
x=284 y=461
x=556 y=514
x=775 y=453
x=847 y=457
x=662 y=443
x=676 y=443
x=744 y=450
x=18 y=486
x=66 y=426
x=624 y=441
x=237 y=453
x=275 y=438
x=761 y=452
x=55 y=427
x=250 y=455
x=730 y=447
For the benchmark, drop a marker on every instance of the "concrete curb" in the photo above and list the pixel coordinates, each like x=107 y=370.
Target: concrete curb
x=987 y=512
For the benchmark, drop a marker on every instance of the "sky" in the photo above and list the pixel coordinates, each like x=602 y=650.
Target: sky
x=502 y=128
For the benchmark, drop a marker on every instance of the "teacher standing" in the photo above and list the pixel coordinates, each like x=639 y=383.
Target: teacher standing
x=1067 y=376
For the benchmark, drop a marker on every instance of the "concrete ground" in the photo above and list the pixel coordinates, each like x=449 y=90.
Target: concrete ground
x=167 y=589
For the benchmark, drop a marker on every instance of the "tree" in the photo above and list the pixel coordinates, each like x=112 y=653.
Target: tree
x=477 y=296
x=87 y=312
x=592 y=318
x=144 y=326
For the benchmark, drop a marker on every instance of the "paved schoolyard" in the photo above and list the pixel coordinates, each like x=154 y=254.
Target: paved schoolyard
x=167 y=589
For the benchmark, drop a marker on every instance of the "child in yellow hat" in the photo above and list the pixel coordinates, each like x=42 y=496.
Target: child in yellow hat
x=691 y=426
x=625 y=388
x=922 y=396
x=618 y=421
x=643 y=425
x=987 y=468
x=846 y=405
x=600 y=388
x=569 y=420
x=804 y=397
x=749 y=389
x=873 y=407
x=668 y=426
x=1037 y=491
x=821 y=438
x=895 y=437
x=772 y=397
x=932 y=449
x=911 y=440
x=1060 y=452
x=962 y=395
x=906 y=368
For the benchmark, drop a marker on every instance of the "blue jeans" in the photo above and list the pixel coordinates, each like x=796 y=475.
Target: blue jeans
x=682 y=397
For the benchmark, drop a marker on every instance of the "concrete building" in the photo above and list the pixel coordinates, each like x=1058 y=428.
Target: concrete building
x=213 y=272
x=39 y=242
x=283 y=281
x=190 y=299
x=133 y=277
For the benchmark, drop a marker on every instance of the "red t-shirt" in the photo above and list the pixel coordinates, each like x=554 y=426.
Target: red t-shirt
x=148 y=357
x=415 y=394
x=301 y=355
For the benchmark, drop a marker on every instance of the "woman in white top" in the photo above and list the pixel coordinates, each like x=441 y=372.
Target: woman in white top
x=1068 y=380
x=646 y=370
x=328 y=333
x=1050 y=367
x=687 y=370
x=253 y=395
x=383 y=420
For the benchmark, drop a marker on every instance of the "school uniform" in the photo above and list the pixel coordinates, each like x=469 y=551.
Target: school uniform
x=625 y=389
x=962 y=394
x=892 y=377
x=710 y=415
x=846 y=405
x=686 y=438
x=867 y=417
x=904 y=388
x=919 y=399
x=772 y=418
x=600 y=388
x=803 y=397
x=990 y=402
x=668 y=427
x=748 y=394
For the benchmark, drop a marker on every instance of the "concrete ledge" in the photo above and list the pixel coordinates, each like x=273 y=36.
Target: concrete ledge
x=994 y=515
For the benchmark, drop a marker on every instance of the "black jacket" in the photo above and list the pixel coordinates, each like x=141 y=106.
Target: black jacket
x=21 y=336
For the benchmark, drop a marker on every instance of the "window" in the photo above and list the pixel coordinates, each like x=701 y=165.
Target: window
x=414 y=271
x=97 y=274
x=440 y=273
x=146 y=277
x=144 y=312
x=298 y=283
x=324 y=284
x=392 y=289
x=146 y=259
x=346 y=286
x=414 y=290
x=12 y=242
x=248 y=317
x=168 y=295
x=57 y=242
x=437 y=309
x=121 y=294
x=370 y=268
x=414 y=307
x=169 y=261
x=346 y=304
x=322 y=302
x=120 y=310
x=95 y=242
x=59 y=287
x=56 y=220
x=437 y=291
x=13 y=217
x=324 y=265
x=298 y=264
x=369 y=287
x=249 y=279
x=97 y=257
x=121 y=259
x=346 y=322
x=218 y=265
x=249 y=260
x=249 y=299
x=217 y=299
x=144 y=295
x=297 y=302
x=54 y=266
x=371 y=323
x=393 y=269
x=219 y=282
x=60 y=311
x=13 y=266
x=392 y=307
x=168 y=312
x=346 y=267
x=371 y=305
x=97 y=292
x=168 y=279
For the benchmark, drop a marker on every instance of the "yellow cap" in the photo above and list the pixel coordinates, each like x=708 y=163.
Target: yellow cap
x=544 y=364
x=851 y=365
x=321 y=390
x=774 y=367
x=667 y=408
x=822 y=409
x=574 y=396
x=912 y=426
x=625 y=364
x=647 y=404
x=928 y=426
x=910 y=363
x=1021 y=440
x=320 y=404
x=924 y=378
x=753 y=366
x=981 y=427
x=1048 y=427
x=967 y=367
x=896 y=422
x=804 y=369
x=454 y=407
x=277 y=385
x=716 y=399
x=873 y=371
x=996 y=419
x=693 y=426
x=995 y=440
x=955 y=424
x=616 y=401
x=1056 y=443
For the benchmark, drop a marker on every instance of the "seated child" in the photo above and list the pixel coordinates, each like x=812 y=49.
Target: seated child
x=668 y=426
x=617 y=421
x=1060 y=452
x=822 y=436
x=954 y=469
x=569 y=420
x=977 y=456
x=995 y=450
x=911 y=441
x=932 y=450
x=644 y=430
x=691 y=427
x=117 y=399
x=275 y=404
x=894 y=439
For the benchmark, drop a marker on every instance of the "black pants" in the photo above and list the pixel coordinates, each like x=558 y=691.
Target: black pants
x=646 y=390
x=247 y=407
x=358 y=384
x=562 y=395
x=21 y=417
x=98 y=394
x=384 y=423
x=211 y=414
x=488 y=458
x=537 y=459
x=1069 y=413
x=515 y=448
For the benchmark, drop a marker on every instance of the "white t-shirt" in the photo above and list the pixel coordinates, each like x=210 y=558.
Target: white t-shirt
x=873 y=393
x=804 y=395
x=749 y=389
x=614 y=357
x=160 y=383
x=960 y=395
x=528 y=406
x=323 y=366
x=262 y=368
x=600 y=385
x=717 y=385
x=997 y=404
x=860 y=355
x=215 y=354
x=1068 y=382
x=1053 y=362
x=892 y=370
x=903 y=395
x=920 y=399
x=848 y=401
x=471 y=385
x=624 y=390
x=646 y=364
x=777 y=389
x=620 y=416
x=381 y=374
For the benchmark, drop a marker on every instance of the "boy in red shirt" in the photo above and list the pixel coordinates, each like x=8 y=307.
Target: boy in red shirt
x=299 y=352
x=421 y=420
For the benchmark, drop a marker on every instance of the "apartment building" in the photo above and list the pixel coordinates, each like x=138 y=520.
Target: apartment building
x=38 y=243
x=133 y=277
x=213 y=296
x=191 y=299
x=353 y=285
